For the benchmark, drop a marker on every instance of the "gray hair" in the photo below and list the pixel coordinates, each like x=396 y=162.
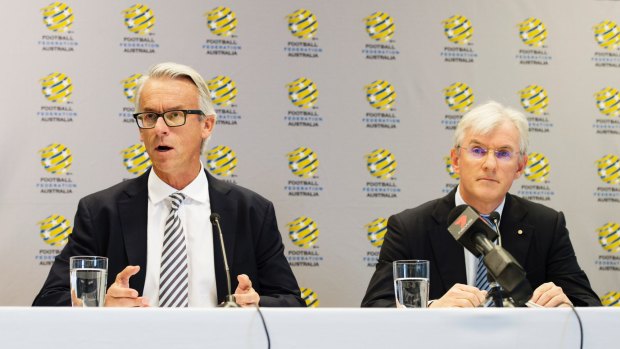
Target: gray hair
x=178 y=71
x=486 y=117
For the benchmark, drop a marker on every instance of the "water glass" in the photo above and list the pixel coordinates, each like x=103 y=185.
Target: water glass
x=411 y=282
x=89 y=275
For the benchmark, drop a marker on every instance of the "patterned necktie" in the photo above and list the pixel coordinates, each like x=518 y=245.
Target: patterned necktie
x=482 y=281
x=174 y=278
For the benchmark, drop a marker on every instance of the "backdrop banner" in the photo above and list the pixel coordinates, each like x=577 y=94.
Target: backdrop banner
x=340 y=112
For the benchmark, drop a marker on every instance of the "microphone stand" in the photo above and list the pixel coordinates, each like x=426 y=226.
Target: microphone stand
x=495 y=297
x=229 y=300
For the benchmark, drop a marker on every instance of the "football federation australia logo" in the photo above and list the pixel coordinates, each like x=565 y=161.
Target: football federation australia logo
x=381 y=95
x=376 y=231
x=56 y=158
x=381 y=164
x=608 y=168
x=611 y=299
x=608 y=101
x=58 y=17
x=537 y=168
x=303 y=24
x=129 y=86
x=221 y=21
x=303 y=93
x=380 y=26
x=303 y=232
x=310 y=297
x=458 y=29
x=136 y=159
x=303 y=162
x=139 y=19
x=57 y=87
x=534 y=99
x=609 y=237
x=221 y=161
x=223 y=90
x=55 y=230
x=450 y=167
x=459 y=97
x=607 y=35
x=533 y=32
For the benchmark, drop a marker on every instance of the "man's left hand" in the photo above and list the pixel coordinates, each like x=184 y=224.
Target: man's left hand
x=549 y=295
x=245 y=295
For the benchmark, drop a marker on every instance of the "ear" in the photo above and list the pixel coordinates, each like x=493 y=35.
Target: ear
x=454 y=157
x=521 y=165
x=207 y=126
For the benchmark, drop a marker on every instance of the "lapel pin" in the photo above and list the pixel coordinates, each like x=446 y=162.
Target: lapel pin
x=520 y=232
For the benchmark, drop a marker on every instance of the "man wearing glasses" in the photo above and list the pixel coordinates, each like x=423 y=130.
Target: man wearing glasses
x=156 y=231
x=489 y=154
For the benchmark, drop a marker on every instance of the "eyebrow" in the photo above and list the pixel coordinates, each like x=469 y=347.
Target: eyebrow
x=152 y=110
x=503 y=147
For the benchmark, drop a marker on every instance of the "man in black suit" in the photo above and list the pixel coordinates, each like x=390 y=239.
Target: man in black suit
x=490 y=152
x=127 y=222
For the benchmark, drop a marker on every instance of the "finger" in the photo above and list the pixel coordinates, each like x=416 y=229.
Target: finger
x=75 y=301
x=247 y=298
x=244 y=283
x=475 y=298
x=482 y=297
x=126 y=302
x=466 y=288
x=463 y=296
x=556 y=301
x=471 y=293
x=553 y=298
x=122 y=278
x=545 y=292
x=465 y=303
x=122 y=292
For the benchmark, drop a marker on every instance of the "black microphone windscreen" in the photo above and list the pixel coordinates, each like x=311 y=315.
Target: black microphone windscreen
x=214 y=217
x=494 y=216
x=453 y=215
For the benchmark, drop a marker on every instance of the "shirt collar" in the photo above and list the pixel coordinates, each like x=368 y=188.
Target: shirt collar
x=197 y=190
x=458 y=200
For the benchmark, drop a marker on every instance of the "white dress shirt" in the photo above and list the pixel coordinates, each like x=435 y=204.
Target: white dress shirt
x=194 y=213
x=471 y=261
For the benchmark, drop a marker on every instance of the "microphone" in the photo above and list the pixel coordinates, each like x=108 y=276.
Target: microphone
x=471 y=230
x=495 y=217
x=475 y=234
x=229 y=301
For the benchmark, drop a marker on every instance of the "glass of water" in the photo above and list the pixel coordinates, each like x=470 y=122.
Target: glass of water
x=89 y=275
x=411 y=283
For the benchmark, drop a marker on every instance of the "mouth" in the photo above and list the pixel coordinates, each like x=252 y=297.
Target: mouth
x=488 y=180
x=163 y=148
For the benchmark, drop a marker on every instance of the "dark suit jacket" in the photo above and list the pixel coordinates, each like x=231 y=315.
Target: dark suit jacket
x=543 y=249
x=113 y=223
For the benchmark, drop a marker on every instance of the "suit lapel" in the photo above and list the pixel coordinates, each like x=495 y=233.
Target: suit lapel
x=224 y=206
x=448 y=254
x=516 y=235
x=133 y=213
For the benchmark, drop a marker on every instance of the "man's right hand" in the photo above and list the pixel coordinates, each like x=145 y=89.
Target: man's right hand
x=461 y=296
x=120 y=295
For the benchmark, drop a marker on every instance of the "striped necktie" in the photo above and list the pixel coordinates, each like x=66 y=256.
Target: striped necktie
x=482 y=281
x=174 y=278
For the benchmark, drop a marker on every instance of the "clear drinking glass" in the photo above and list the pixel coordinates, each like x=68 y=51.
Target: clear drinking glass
x=411 y=282
x=89 y=275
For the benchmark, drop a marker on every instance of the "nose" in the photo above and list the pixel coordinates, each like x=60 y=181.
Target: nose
x=160 y=126
x=490 y=161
